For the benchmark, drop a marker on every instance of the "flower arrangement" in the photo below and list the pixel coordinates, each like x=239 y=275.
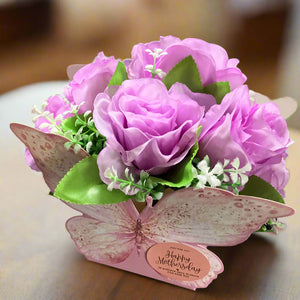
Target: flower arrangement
x=175 y=127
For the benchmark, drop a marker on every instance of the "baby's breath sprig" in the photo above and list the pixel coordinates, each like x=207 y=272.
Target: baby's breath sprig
x=140 y=190
x=236 y=173
x=219 y=176
x=204 y=175
x=80 y=130
x=51 y=122
x=152 y=68
x=235 y=177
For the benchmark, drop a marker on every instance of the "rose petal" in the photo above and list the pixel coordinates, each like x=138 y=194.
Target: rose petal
x=219 y=145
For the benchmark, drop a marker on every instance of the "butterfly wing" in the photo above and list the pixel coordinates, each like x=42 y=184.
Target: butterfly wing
x=108 y=234
x=107 y=227
x=72 y=69
x=205 y=217
x=286 y=105
x=101 y=242
x=216 y=267
x=104 y=233
x=210 y=216
x=49 y=153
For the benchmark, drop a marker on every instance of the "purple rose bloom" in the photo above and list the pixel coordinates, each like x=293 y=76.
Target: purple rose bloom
x=276 y=174
x=254 y=133
x=147 y=127
x=212 y=60
x=91 y=80
x=30 y=161
x=55 y=106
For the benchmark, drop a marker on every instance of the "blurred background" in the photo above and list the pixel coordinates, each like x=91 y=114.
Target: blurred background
x=40 y=38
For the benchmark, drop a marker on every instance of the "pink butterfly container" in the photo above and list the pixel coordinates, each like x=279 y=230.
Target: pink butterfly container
x=174 y=127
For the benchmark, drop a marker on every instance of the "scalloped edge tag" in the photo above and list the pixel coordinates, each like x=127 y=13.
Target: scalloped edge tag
x=178 y=261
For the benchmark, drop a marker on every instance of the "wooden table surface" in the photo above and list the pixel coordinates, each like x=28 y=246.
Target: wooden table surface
x=38 y=259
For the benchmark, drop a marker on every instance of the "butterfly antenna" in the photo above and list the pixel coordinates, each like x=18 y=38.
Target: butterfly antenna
x=149 y=201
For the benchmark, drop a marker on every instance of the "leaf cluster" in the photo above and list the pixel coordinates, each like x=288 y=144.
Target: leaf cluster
x=82 y=133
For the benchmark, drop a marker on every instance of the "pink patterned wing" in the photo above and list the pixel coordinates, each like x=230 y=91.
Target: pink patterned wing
x=72 y=69
x=118 y=235
x=115 y=235
x=104 y=233
x=49 y=153
x=286 y=105
x=211 y=217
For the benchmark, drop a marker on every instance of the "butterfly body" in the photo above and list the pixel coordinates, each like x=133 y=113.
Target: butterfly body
x=139 y=236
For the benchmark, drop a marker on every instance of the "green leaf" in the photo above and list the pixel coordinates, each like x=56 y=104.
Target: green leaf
x=218 y=90
x=69 y=124
x=258 y=187
x=119 y=76
x=186 y=72
x=82 y=185
x=181 y=174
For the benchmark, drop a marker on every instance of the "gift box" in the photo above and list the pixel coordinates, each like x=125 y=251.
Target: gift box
x=163 y=154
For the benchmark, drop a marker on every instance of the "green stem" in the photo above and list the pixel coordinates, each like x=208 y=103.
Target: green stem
x=154 y=63
x=229 y=170
x=233 y=186
x=54 y=124
x=76 y=142
x=132 y=184
x=85 y=123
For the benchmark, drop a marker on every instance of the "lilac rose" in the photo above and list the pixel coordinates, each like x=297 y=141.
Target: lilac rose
x=255 y=133
x=147 y=127
x=58 y=109
x=56 y=106
x=212 y=60
x=91 y=80
x=276 y=174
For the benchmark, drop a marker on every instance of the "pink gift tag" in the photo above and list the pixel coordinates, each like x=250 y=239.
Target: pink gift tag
x=178 y=261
